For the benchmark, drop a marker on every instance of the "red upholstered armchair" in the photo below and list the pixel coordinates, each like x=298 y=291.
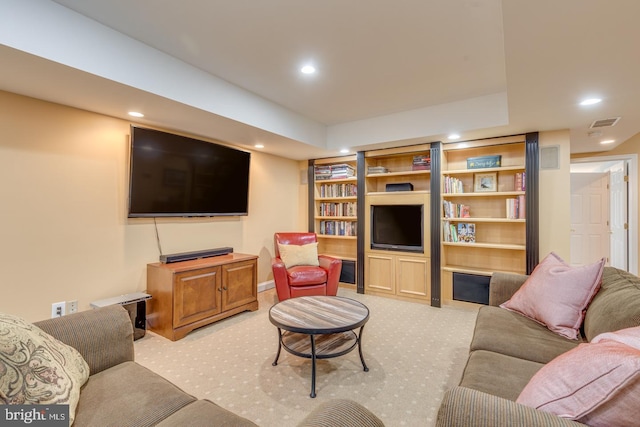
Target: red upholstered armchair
x=304 y=280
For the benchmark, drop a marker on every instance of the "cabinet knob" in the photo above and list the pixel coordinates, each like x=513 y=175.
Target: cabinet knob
x=219 y=290
x=224 y=288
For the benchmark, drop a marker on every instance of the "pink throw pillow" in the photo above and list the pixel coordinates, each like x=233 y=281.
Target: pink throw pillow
x=596 y=383
x=557 y=295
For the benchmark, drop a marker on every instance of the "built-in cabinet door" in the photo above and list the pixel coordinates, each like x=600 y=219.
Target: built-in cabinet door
x=413 y=277
x=380 y=273
x=196 y=295
x=239 y=282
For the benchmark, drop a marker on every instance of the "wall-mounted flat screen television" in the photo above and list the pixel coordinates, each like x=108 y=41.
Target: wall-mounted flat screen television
x=397 y=227
x=176 y=176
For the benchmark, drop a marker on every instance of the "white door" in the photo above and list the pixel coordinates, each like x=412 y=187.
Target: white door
x=589 y=218
x=619 y=220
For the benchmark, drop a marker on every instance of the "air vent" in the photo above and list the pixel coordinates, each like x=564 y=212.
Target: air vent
x=605 y=123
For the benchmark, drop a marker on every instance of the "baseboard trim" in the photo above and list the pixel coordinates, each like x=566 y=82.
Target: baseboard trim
x=265 y=286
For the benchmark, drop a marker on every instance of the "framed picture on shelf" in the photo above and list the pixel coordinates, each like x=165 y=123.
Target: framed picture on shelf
x=483 y=182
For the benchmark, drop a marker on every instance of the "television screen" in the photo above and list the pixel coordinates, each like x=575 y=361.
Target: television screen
x=172 y=175
x=397 y=227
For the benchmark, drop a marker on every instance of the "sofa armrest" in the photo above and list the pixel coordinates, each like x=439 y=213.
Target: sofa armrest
x=341 y=413
x=103 y=336
x=503 y=285
x=465 y=407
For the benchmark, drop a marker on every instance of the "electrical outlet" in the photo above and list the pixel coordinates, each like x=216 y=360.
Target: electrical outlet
x=58 y=309
x=72 y=306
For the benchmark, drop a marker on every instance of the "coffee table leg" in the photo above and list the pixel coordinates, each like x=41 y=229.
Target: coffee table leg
x=313 y=366
x=364 y=365
x=275 y=362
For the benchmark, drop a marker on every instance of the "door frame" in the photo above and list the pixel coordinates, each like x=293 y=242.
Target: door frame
x=632 y=200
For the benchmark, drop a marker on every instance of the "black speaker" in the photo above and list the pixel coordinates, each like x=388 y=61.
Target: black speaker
x=402 y=186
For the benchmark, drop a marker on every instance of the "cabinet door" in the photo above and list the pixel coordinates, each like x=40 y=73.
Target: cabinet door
x=239 y=284
x=196 y=295
x=380 y=273
x=413 y=277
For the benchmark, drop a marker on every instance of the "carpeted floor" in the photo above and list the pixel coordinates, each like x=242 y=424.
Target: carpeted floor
x=414 y=353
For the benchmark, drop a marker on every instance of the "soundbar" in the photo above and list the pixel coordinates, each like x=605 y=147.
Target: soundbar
x=186 y=256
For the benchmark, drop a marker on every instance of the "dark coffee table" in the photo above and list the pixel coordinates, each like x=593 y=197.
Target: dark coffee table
x=319 y=327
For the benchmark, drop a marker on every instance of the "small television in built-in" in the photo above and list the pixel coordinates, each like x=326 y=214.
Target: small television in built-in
x=177 y=176
x=397 y=227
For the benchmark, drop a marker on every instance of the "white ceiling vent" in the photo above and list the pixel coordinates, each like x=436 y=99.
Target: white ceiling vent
x=604 y=123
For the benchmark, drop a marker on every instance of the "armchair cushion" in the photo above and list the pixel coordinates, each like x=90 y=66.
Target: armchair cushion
x=293 y=255
x=306 y=275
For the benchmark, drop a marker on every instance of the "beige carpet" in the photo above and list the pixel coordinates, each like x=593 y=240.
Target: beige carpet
x=414 y=353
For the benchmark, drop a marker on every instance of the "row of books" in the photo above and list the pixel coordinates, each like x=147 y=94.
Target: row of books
x=455 y=210
x=452 y=185
x=421 y=162
x=339 y=171
x=338 y=209
x=464 y=232
x=519 y=183
x=338 y=228
x=377 y=169
x=338 y=190
x=516 y=207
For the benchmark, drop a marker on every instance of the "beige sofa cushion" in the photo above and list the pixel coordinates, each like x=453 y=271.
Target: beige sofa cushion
x=512 y=334
x=616 y=306
x=497 y=374
x=128 y=394
x=204 y=413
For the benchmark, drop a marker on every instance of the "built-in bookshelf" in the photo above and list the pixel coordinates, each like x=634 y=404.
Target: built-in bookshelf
x=484 y=212
x=400 y=177
x=335 y=203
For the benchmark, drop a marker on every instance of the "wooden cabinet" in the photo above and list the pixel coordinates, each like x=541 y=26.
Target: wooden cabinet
x=398 y=177
x=398 y=275
x=190 y=294
x=334 y=204
x=484 y=209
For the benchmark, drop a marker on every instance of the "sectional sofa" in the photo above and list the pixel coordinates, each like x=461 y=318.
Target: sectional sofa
x=509 y=349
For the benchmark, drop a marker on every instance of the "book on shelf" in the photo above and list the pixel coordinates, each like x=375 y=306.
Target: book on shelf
x=463 y=232
x=377 y=169
x=519 y=181
x=516 y=207
x=338 y=209
x=339 y=190
x=452 y=185
x=466 y=232
x=338 y=228
x=339 y=171
x=455 y=210
x=421 y=162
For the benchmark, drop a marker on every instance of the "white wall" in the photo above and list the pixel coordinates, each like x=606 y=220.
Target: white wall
x=64 y=231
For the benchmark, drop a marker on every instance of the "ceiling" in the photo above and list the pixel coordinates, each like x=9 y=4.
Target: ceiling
x=389 y=73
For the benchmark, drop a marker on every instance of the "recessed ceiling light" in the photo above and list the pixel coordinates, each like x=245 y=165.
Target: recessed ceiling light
x=454 y=136
x=308 y=69
x=591 y=101
x=608 y=141
x=135 y=114
x=344 y=150
x=259 y=146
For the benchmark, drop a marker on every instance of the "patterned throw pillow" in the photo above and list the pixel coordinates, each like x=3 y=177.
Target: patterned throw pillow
x=36 y=368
